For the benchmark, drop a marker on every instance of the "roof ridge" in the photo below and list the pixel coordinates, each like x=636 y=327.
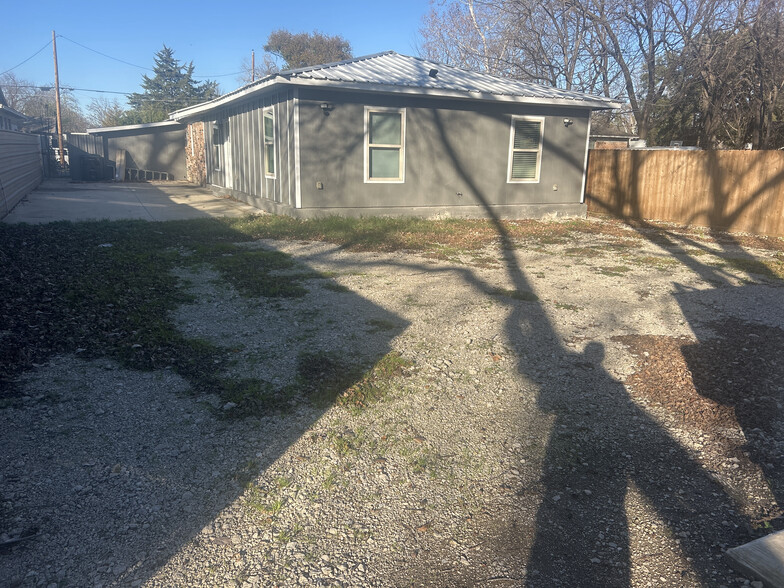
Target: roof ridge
x=334 y=63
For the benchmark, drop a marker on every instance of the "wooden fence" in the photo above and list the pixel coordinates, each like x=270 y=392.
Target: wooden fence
x=726 y=190
x=21 y=167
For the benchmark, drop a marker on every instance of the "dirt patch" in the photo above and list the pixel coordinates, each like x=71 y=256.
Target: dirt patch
x=732 y=379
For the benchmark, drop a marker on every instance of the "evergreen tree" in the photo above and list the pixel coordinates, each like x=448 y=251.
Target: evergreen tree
x=171 y=88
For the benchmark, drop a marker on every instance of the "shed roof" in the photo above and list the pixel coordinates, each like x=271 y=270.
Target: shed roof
x=393 y=73
x=142 y=128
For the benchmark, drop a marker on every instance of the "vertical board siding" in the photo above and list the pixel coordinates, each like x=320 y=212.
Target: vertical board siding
x=730 y=190
x=21 y=167
x=244 y=149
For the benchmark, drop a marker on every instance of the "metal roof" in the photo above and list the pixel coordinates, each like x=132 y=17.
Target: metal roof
x=144 y=126
x=391 y=72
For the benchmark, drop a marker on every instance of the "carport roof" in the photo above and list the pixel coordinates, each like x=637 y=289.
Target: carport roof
x=393 y=73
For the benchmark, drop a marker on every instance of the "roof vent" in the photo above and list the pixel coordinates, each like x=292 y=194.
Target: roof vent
x=433 y=73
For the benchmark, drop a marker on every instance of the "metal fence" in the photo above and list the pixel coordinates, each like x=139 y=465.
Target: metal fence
x=21 y=167
x=725 y=190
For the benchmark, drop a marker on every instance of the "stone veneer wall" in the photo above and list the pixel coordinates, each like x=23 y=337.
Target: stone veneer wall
x=195 y=164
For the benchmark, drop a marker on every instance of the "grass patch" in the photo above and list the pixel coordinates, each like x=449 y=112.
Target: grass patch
x=253 y=396
x=377 y=325
x=522 y=295
x=375 y=383
x=772 y=269
x=656 y=261
x=335 y=287
x=572 y=307
x=585 y=251
x=615 y=270
x=106 y=289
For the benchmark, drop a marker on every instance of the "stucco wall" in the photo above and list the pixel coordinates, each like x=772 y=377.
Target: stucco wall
x=456 y=154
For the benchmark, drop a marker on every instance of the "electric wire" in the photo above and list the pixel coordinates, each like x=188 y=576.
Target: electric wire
x=71 y=89
x=133 y=64
x=104 y=54
x=28 y=59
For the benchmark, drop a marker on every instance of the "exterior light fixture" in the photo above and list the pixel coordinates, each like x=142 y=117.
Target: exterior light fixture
x=567 y=122
x=326 y=107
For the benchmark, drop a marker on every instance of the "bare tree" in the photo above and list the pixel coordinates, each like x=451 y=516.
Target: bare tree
x=473 y=34
x=17 y=91
x=264 y=66
x=102 y=112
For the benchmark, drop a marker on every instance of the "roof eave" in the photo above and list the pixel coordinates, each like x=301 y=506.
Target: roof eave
x=194 y=112
x=12 y=112
x=593 y=104
x=143 y=126
x=199 y=110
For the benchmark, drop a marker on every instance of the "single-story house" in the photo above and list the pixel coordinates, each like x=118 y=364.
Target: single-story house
x=389 y=134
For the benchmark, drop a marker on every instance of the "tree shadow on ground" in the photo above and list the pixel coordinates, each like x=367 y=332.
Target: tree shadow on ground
x=734 y=364
x=604 y=453
x=111 y=465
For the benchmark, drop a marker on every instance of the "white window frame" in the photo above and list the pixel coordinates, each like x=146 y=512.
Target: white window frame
x=402 y=171
x=217 y=147
x=534 y=180
x=271 y=112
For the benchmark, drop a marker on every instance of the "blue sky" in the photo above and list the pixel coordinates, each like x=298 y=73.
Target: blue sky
x=215 y=35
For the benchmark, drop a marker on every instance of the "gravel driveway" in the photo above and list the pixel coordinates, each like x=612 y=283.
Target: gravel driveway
x=605 y=412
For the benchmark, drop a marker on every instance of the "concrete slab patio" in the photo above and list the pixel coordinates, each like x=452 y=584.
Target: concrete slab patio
x=62 y=199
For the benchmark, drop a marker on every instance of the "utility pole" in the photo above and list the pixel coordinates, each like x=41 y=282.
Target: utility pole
x=57 y=99
x=252 y=65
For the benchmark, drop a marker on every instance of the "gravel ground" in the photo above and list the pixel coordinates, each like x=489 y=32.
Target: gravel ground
x=622 y=427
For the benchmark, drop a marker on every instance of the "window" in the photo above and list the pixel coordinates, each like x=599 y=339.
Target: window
x=385 y=135
x=525 y=149
x=217 y=145
x=269 y=143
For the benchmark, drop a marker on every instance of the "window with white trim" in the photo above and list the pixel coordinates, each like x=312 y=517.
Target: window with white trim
x=217 y=145
x=269 y=143
x=525 y=149
x=385 y=139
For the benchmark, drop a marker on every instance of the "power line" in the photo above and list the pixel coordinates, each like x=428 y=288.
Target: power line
x=71 y=89
x=236 y=73
x=133 y=64
x=104 y=54
x=28 y=59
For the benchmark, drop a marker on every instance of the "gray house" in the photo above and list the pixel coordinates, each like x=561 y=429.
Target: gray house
x=389 y=134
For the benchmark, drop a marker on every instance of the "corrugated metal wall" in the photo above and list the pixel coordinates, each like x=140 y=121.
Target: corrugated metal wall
x=21 y=167
x=242 y=169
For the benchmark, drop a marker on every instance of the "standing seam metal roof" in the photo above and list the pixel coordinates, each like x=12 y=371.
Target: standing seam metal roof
x=391 y=71
x=392 y=68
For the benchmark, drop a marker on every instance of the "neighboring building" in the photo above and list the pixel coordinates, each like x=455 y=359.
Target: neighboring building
x=608 y=141
x=389 y=134
x=138 y=152
x=10 y=119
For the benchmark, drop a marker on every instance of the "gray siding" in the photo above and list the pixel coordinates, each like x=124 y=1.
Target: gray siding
x=456 y=155
x=21 y=167
x=156 y=150
x=242 y=171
